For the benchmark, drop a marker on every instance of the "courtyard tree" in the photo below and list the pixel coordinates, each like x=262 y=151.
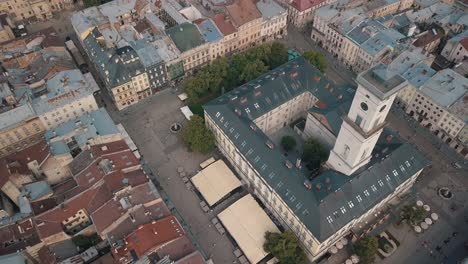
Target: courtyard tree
x=413 y=214
x=366 y=248
x=313 y=152
x=288 y=143
x=197 y=136
x=317 y=59
x=285 y=247
x=278 y=55
x=86 y=241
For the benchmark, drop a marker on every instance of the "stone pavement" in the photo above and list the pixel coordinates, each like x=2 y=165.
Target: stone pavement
x=148 y=124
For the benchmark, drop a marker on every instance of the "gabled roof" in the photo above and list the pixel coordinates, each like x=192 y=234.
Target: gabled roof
x=242 y=12
x=302 y=5
x=229 y=112
x=148 y=238
x=223 y=22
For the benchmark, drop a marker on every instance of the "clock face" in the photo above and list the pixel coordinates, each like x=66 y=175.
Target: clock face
x=382 y=108
x=364 y=106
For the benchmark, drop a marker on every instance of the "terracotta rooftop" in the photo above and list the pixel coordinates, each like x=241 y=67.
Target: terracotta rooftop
x=50 y=222
x=141 y=215
x=18 y=162
x=302 y=5
x=177 y=249
x=148 y=238
x=224 y=24
x=243 y=11
x=124 y=202
x=464 y=43
x=85 y=158
x=18 y=236
x=427 y=38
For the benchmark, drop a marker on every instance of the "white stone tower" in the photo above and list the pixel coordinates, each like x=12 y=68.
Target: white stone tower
x=361 y=128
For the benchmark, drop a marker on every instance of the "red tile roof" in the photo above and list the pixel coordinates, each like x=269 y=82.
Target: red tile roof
x=17 y=163
x=177 y=249
x=50 y=222
x=97 y=169
x=427 y=38
x=302 y=5
x=18 y=236
x=46 y=255
x=114 y=209
x=119 y=180
x=224 y=24
x=243 y=11
x=148 y=238
x=464 y=43
x=141 y=216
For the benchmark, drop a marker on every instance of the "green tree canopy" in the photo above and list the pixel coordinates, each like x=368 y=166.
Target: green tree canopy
x=288 y=143
x=278 y=55
x=285 y=247
x=414 y=214
x=85 y=242
x=197 y=136
x=226 y=74
x=317 y=59
x=313 y=152
x=253 y=70
x=366 y=248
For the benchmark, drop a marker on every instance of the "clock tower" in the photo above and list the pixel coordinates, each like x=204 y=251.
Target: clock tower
x=361 y=128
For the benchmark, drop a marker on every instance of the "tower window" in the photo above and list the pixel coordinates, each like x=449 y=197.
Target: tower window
x=364 y=106
x=358 y=120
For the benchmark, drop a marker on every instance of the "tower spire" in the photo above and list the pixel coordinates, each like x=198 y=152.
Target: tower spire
x=362 y=126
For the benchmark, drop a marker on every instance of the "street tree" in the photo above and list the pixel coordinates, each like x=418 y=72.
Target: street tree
x=313 y=152
x=197 y=136
x=413 y=214
x=278 y=55
x=285 y=247
x=288 y=143
x=366 y=249
x=317 y=59
x=253 y=70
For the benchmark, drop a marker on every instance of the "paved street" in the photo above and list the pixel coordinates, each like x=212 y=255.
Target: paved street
x=148 y=124
x=453 y=213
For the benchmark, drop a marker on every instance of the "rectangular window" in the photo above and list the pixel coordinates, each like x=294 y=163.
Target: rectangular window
x=358 y=120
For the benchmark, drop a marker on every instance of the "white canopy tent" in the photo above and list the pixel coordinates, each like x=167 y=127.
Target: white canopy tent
x=247 y=223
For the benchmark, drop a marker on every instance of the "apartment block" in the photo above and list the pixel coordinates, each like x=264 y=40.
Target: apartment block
x=301 y=12
x=20 y=10
x=357 y=41
x=456 y=48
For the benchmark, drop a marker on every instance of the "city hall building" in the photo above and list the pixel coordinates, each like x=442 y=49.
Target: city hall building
x=368 y=164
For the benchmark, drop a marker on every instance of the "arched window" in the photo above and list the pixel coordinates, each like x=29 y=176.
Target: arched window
x=346 y=151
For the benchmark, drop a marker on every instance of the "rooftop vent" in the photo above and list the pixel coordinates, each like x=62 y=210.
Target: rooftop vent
x=317 y=78
x=270 y=144
x=289 y=164
x=318 y=186
x=257 y=93
x=238 y=111
x=243 y=100
x=253 y=127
